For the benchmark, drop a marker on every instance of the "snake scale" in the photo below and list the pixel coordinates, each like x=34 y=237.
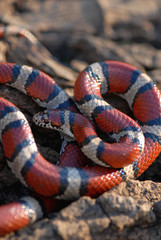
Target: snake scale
x=88 y=165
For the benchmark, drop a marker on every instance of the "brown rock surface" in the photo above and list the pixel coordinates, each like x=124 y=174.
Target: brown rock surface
x=77 y=33
x=130 y=211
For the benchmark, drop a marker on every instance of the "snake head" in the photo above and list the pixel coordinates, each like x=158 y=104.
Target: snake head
x=54 y=119
x=42 y=119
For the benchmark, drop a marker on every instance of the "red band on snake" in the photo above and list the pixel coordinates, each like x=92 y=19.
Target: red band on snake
x=136 y=145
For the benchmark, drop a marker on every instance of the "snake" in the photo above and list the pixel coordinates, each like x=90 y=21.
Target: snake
x=88 y=165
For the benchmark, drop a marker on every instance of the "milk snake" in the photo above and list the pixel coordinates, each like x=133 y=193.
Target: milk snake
x=136 y=143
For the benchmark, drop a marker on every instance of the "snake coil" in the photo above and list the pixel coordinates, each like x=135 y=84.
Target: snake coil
x=136 y=143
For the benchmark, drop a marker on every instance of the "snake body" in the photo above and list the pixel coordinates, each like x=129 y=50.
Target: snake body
x=135 y=146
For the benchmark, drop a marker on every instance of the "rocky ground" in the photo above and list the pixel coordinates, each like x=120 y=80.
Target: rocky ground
x=75 y=34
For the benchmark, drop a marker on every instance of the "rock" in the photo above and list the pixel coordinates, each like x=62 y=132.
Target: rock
x=22 y=51
x=112 y=216
x=131 y=20
x=99 y=49
x=126 y=212
x=76 y=15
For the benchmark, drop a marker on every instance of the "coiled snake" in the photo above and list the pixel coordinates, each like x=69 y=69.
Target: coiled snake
x=136 y=143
